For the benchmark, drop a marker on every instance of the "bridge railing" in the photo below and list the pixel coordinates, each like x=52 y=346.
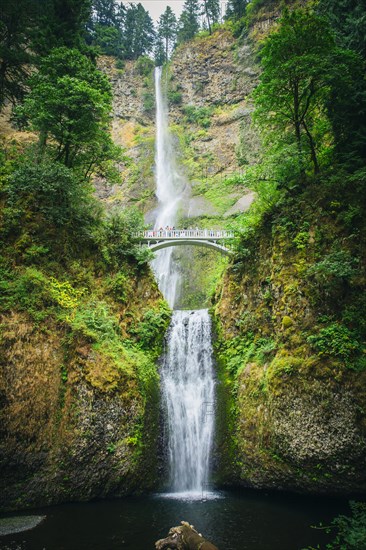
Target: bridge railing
x=184 y=234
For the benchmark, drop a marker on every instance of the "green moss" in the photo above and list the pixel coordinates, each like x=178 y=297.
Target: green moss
x=287 y=322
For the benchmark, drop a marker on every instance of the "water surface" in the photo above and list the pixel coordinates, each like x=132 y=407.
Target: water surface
x=235 y=520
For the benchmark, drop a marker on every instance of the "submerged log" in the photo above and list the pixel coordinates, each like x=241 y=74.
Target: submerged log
x=184 y=537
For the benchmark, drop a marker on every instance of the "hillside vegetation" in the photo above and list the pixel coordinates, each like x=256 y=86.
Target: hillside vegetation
x=290 y=312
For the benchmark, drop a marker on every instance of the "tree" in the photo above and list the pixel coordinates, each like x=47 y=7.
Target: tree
x=347 y=101
x=167 y=30
x=69 y=105
x=61 y=23
x=297 y=64
x=188 y=24
x=17 y=20
x=159 y=52
x=235 y=9
x=211 y=9
x=348 y=19
x=139 y=33
x=105 y=12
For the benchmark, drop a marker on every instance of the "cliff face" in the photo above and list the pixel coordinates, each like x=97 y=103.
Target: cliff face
x=296 y=411
x=79 y=416
x=208 y=82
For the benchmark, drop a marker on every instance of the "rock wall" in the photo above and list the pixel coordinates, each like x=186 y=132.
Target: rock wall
x=211 y=72
x=295 y=419
x=76 y=423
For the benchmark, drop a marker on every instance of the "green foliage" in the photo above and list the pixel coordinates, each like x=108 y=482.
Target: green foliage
x=148 y=101
x=211 y=11
x=175 y=97
x=241 y=350
x=119 y=287
x=336 y=340
x=108 y=40
x=69 y=105
x=116 y=238
x=349 y=531
x=297 y=60
x=152 y=326
x=339 y=265
x=167 y=35
x=49 y=192
x=144 y=65
x=198 y=115
x=301 y=240
x=138 y=32
x=96 y=322
x=188 y=24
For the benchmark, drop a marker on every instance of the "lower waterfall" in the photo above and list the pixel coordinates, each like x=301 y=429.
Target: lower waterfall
x=188 y=390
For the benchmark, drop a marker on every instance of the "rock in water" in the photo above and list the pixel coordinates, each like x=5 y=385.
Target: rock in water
x=184 y=537
x=17 y=524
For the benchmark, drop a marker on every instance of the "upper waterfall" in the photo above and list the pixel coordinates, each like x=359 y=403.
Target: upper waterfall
x=170 y=186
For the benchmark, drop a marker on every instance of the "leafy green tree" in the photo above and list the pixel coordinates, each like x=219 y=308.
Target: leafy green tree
x=188 y=24
x=167 y=31
x=139 y=33
x=297 y=63
x=69 y=105
x=211 y=10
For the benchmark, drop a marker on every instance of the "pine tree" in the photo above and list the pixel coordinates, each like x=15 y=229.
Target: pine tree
x=105 y=12
x=211 y=10
x=15 y=43
x=188 y=24
x=61 y=23
x=167 y=31
x=235 y=9
x=159 y=52
x=139 y=33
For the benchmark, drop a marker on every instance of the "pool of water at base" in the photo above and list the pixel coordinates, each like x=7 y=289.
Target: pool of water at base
x=233 y=520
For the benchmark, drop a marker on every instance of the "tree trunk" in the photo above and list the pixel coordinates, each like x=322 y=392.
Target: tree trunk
x=184 y=537
x=314 y=158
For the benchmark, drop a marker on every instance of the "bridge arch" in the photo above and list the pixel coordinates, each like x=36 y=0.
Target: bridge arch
x=163 y=238
x=159 y=245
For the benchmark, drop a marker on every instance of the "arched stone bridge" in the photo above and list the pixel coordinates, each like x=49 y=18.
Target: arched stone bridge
x=210 y=238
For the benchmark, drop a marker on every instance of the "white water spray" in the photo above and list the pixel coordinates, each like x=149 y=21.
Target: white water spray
x=188 y=389
x=187 y=376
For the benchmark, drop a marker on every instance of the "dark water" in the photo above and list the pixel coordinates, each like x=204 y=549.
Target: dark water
x=237 y=521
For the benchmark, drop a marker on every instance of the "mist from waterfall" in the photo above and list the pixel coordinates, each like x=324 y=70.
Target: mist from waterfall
x=170 y=186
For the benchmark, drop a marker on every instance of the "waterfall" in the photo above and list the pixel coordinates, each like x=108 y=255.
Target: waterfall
x=187 y=376
x=188 y=390
x=170 y=187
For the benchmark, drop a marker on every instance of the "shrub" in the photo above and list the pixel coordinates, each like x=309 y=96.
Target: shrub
x=198 y=115
x=175 y=98
x=148 y=101
x=152 y=326
x=144 y=65
x=50 y=192
x=335 y=340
